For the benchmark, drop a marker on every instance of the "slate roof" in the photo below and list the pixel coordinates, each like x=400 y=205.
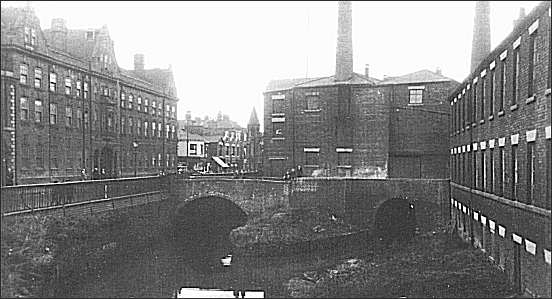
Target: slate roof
x=416 y=77
x=284 y=84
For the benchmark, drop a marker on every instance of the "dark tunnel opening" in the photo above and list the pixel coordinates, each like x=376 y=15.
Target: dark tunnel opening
x=395 y=221
x=201 y=229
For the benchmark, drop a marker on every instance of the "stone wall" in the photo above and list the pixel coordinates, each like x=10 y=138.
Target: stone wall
x=358 y=199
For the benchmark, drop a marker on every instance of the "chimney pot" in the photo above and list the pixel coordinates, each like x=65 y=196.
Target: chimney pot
x=138 y=62
x=367 y=70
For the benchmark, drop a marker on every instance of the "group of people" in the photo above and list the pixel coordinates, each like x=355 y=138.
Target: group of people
x=294 y=173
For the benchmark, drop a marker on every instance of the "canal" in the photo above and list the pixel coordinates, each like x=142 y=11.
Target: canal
x=162 y=269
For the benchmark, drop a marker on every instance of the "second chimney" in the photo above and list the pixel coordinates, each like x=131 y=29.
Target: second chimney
x=344 y=51
x=481 y=42
x=138 y=62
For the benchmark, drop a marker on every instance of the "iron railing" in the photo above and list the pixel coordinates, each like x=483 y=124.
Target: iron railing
x=40 y=196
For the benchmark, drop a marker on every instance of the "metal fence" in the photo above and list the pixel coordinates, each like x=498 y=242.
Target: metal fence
x=23 y=198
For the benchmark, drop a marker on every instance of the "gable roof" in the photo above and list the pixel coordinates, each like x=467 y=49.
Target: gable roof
x=284 y=84
x=416 y=77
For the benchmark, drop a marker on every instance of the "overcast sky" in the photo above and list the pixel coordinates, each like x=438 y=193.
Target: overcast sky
x=223 y=54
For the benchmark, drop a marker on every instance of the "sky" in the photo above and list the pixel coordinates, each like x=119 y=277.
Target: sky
x=223 y=54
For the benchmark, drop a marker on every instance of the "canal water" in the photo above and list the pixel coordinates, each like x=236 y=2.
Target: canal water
x=164 y=268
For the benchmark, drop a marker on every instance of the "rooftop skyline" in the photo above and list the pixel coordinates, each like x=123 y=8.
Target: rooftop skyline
x=223 y=54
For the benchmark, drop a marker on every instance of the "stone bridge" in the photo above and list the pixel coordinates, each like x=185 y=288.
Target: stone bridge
x=356 y=200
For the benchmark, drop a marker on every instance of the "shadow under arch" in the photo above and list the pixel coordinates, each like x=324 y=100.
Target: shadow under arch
x=395 y=220
x=202 y=226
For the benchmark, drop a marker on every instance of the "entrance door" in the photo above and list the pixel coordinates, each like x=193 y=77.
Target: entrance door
x=107 y=163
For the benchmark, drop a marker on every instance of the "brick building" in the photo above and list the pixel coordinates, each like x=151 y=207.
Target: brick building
x=69 y=111
x=350 y=124
x=500 y=152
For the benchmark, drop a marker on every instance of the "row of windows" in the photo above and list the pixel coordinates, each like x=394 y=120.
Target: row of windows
x=486 y=170
x=170 y=110
x=79 y=88
x=30 y=36
x=490 y=93
x=73 y=159
x=134 y=127
x=74 y=117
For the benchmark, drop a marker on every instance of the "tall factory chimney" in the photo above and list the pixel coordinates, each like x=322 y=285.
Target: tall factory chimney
x=344 y=51
x=481 y=42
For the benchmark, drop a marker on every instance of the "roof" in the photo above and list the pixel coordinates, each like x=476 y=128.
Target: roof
x=253 y=120
x=284 y=84
x=416 y=77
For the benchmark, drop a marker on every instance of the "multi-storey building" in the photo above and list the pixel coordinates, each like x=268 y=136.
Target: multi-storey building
x=70 y=112
x=351 y=124
x=500 y=151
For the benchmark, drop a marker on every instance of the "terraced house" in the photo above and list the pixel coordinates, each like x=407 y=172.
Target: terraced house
x=70 y=112
x=500 y=150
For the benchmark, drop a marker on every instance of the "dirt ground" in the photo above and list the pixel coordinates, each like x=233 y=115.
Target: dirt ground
x=432 y=265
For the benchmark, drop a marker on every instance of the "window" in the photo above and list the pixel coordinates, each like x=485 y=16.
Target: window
x=38 y=77
x=105 y=91
x=146 y=105
x=167 y=111
x=501 y=173
x=39 y=155
x=491 y=171
x=483 y=97
x=33 y=36
x=68 y=116
x=167 y=130
x=311 y=158
x=110 y=122
x=123 y=126
x=415 y=96
x=138 y=127
x=344 y=159
x=160 y=110
x=473 y=103
x=130 y=101
x=68 y=86
x=38 y=111
x=78 y=89
x=153 y=124
x=24 y=108
x=530 y=171
x=492 y=93
x=278 y=106
x=313 y=102
x=159 y=128
x=85 y=90
x=95 y=118
x=173 y=111
x=86 y=119
x=23 y=73
x=53 y=114
x=502 y=87
x=515 y=79
x=483 y=171
x=53 y=82
x=548 y=203
x=122 y=99
x=130 y=126
x=278 y=129
x=139 y=106
x=531 y=74
x=79 y=118
x=27 y=35
x=514 y=172
x=193 y=148
x=146 y=129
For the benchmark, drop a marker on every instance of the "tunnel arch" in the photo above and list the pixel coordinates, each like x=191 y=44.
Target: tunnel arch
x=203 y=216
x=395 y=220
